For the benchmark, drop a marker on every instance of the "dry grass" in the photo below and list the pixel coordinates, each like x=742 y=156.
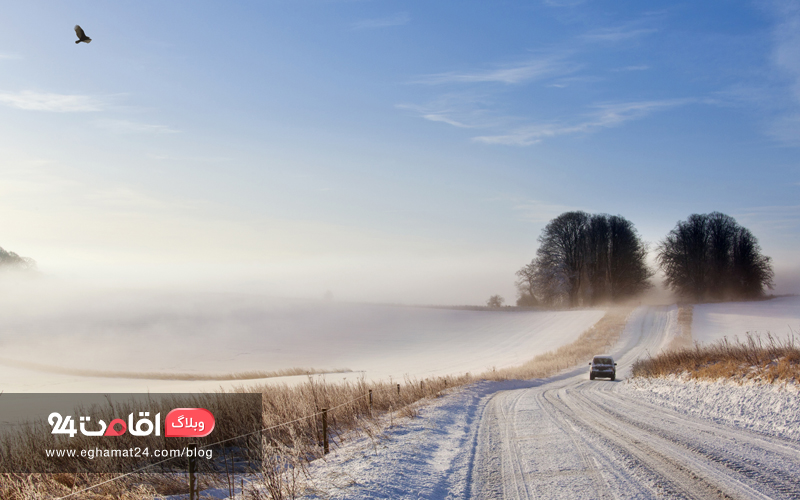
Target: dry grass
x=762 y=359
x=289 y=448
x=596 y=340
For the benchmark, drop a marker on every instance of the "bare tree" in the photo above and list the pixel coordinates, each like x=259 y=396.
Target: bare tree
x=563 y=240
x=526 y=286
x=710 y=256
x=495 y=301
x=628 y=274
x=11 y=260
x=586 y=259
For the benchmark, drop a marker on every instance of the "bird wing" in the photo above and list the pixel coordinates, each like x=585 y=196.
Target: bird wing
x=79 y=32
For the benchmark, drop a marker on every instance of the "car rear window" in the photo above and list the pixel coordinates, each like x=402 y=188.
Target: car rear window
x=603 y=361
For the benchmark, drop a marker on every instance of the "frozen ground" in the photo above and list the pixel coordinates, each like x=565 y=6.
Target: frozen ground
x=219 y=334
x=568 y=437
x=711 y=322
x=768 y=409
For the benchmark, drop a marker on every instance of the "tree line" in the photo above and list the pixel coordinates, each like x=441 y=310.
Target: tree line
x=12 y=260
x=588 y=259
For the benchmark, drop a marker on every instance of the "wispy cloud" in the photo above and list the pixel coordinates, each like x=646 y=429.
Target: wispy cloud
x=530 y=70
x=563 y=3
x=786 y=58
x=192 y=159
x=786 y=55
x=398 y=19
x=129 y=127
x=434 y=114
x=566 y=82
x=641 y=67
x=605 y=116
x=617 y=34
x=540 y=211
x=459 y=109
x=9 y=56
x=46 y=101
x=783 y=217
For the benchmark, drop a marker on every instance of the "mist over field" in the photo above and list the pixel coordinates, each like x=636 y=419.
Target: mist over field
x=100 y=340
x=275 y=186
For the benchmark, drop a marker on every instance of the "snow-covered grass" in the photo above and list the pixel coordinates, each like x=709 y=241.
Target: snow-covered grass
x=772 y=409
x=291 y=419
x=778 y=316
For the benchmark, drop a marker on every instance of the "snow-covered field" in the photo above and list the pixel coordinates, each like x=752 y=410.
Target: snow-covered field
x=219 y=334
x=772 y=409
x=432 y=456
x=712 y=322
x=568 y=437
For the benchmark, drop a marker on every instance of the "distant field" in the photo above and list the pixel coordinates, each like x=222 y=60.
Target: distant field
x=711 y=322
x=181 y=335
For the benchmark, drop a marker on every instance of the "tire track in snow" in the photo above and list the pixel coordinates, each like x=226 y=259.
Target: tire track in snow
x=579 y=439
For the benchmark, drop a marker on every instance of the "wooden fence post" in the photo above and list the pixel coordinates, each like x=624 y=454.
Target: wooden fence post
x=192 y=449
x=398 y=389
x=325 y=431
x=370 y=402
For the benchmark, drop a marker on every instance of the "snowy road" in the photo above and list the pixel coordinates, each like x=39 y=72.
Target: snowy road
x=575 y=438
x=572 y=438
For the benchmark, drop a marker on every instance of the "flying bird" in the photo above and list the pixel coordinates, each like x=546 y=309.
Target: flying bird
x=81 y=35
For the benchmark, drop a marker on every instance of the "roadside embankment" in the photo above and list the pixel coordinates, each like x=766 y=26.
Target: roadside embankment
x=772 y=409
x=756 y=359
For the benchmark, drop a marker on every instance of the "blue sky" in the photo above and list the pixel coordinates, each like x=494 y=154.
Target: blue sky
x=385 y=150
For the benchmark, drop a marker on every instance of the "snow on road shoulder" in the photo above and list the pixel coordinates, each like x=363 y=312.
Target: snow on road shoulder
x=428 y=456
x=766 y=408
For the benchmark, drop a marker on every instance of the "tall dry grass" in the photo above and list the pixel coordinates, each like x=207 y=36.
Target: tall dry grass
x=291 y=415
x=293 y=437
x=758 y=358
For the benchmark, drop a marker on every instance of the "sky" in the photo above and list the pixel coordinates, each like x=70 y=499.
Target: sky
x=387 y=151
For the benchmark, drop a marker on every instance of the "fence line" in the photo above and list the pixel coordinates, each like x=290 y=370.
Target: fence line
x=208 y=445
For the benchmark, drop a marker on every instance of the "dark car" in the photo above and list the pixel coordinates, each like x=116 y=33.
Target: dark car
x=603 y=366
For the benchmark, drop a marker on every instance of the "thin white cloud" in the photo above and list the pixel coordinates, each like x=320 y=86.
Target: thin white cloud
x=566 y=82
x=534 y=69
x=641 y=67
x=193 y=159
x=786 y=55
x=462 y=110
x=398 y=19
x=9 y=56
x=784 y=217
x=563 y=3
x=129 y=127
x=540 y=211
x=786 y=58
x=617 y=34
x=606 y=116
x=436 y=115
x=47 y=101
